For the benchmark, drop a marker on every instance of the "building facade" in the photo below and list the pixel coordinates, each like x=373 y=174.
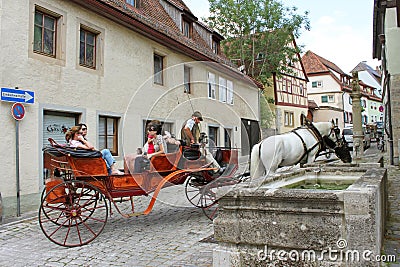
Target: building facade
x=290 y=93
x=386 y=40
x=113 y=65
x=329 y=88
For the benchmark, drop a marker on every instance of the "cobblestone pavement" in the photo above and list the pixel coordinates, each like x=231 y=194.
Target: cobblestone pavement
x=170 y=235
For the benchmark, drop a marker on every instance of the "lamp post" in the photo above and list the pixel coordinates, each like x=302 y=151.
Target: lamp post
x=358 y=135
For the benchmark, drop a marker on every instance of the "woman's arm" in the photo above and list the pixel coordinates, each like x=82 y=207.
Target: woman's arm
x=85 y=144
x=160 y=151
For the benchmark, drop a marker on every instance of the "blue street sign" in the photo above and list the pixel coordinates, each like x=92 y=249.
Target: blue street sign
x=16 y=95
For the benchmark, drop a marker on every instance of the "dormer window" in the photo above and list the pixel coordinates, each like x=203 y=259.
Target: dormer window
x=216 y=41
x=186 y=28
x=133 y=3
x=215 y=46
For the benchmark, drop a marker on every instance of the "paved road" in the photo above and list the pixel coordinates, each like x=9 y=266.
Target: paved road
x=170 y=235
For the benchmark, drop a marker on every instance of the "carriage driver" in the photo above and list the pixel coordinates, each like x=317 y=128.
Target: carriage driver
x=190 y=134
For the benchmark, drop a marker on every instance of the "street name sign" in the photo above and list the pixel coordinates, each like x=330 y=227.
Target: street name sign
x=16 y=95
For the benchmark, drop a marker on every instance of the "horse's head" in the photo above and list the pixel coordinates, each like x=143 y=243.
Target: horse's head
x=334 y=140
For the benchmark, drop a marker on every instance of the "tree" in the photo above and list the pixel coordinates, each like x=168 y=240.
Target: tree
x=257 y=33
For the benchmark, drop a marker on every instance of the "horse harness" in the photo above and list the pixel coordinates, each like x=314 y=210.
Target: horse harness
x=321 y=144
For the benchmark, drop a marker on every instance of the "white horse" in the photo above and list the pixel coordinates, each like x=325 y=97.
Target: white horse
x=301 y=145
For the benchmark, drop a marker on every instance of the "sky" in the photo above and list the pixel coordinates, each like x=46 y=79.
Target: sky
x=341 y=30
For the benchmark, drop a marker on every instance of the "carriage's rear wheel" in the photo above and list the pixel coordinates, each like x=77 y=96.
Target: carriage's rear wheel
x=73 y=213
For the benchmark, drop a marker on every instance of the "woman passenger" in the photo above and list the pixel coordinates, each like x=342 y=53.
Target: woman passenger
x=76 y=140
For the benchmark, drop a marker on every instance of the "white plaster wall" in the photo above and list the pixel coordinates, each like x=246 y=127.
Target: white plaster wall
x=392 y=33
x=123 y=85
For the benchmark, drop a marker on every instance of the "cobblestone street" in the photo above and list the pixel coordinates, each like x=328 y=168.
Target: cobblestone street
x=170 y=235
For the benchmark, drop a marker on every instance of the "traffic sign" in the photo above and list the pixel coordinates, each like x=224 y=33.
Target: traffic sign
x=18 y=111
x=16 y=95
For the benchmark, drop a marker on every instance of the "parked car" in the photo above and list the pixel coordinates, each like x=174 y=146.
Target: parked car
x=348 y=136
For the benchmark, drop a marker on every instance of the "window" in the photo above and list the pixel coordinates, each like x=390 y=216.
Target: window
x=316 y=84
x=87 y=49
x=222 y=89
x=301 y=89
x=289 y=86
x=132 y=2
x=158 y=69
x=186 y=79
x=211 y=85
x=215 y=46
x=328 y=99
x=186 y=28
x=44 y=36
x=229 y=96
x=346 y=117
x=213 y=136
x=108 y=134
x=289 y=119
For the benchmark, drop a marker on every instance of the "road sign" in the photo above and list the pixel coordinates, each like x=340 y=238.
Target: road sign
x=18 y=111
x=16 y=95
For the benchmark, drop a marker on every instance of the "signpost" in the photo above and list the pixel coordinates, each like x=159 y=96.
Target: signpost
x=16 y=95
x=18 y=112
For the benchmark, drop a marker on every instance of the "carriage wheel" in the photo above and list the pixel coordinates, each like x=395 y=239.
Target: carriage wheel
x=73 y=213
x=194 y=190
x=86 y=192
x=211 y=211
x=209 y=194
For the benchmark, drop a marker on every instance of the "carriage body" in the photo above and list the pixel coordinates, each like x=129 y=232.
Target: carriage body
x=79 y=191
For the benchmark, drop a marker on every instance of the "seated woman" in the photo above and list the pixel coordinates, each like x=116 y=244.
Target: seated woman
x=75 y=139
x=154 y=146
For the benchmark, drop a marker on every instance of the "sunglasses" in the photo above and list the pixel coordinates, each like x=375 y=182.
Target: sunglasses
x=84 y=129
x=80 y=133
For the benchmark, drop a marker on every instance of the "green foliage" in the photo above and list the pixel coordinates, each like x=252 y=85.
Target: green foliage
x=257 y=33
x=267 y=116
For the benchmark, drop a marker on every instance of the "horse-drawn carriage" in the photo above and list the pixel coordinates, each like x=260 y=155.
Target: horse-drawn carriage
x=79 y=192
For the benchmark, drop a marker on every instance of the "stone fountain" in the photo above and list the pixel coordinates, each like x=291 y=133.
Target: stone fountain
x=314 y=216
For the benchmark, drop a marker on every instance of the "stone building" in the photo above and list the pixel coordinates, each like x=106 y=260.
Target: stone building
x=114 y=65
x=386 y=42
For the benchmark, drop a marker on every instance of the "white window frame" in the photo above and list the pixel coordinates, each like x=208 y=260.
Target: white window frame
x=229 y=95
x=222 y=89
x=211 y=85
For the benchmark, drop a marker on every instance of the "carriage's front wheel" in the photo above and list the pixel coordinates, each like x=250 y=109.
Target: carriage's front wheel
x=73 y=213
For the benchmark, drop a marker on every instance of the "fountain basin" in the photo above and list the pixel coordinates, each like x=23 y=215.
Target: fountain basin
x=269 y=214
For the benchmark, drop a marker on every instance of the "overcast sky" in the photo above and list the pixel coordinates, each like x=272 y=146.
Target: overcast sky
x=341 y=30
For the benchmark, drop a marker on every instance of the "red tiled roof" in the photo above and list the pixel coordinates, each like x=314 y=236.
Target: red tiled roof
x=150 y=19
x=317 y=64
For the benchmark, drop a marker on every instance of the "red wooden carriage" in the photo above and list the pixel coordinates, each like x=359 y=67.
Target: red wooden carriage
x=79 y=193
